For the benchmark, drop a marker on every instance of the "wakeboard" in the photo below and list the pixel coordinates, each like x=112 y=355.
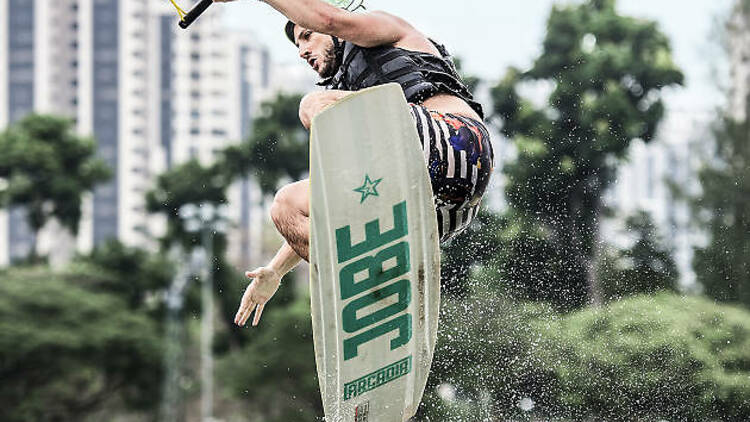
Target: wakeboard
x=374 y=258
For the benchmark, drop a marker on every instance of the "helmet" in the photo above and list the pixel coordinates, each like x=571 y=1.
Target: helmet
x=350 y=5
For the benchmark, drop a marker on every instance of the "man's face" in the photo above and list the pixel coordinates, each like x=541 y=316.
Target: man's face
x=316 y=49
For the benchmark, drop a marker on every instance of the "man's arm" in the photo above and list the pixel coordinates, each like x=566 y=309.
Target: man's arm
x=285 y=260
x=369 y=29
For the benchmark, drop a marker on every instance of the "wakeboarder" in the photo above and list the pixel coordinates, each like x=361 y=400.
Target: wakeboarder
x=352 y=50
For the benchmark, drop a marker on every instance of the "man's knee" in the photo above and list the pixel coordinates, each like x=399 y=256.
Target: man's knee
x=282 y=204
x=291 y=199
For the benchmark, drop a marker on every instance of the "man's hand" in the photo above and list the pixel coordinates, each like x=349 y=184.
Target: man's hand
x=264 y=285
x=314 y=103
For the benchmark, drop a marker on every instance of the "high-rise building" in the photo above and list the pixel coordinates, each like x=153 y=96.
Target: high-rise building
x=18 y=89
x=210 y=82
x=83 y=59
x=38 y=62
x=151 y=94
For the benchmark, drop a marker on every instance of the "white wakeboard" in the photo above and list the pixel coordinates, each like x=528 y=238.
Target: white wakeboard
x=374 y=258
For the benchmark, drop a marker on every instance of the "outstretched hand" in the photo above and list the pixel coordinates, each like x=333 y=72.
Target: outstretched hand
x=264 y=285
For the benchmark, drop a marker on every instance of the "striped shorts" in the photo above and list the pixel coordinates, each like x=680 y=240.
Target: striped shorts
x=460 y=160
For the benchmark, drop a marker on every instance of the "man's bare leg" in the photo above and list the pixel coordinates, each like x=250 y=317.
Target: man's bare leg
x=290 y=213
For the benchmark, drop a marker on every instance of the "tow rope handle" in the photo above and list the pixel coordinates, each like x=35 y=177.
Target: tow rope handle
x=188 y=18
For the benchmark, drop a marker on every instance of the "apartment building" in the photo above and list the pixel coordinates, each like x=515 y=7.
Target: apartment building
x=38 y=72
x=210 y=83
x=152 y=95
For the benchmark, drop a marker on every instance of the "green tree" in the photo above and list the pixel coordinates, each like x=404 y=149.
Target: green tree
x=645 y=267
x=67 y=351
x=645 y=358
x=723 y=211
x=188 y=183
x=133 y=275
x=606 y=73
x=475 y=248
x=485 y=359
x=276 y=149
x=193 y=184
x=47 y=168
x=650 y=358
x=275 y=373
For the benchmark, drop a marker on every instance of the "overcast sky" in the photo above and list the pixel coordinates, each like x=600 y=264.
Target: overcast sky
x=490 y=35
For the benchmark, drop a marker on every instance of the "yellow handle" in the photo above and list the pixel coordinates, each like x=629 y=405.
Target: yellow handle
x=179 y=10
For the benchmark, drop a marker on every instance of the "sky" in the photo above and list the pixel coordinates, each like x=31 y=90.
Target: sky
x=491 y=35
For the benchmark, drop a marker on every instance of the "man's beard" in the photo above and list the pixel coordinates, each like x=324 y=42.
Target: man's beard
x=328 y=63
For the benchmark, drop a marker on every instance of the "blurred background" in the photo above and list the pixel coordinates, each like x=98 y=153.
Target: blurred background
x=607 y=278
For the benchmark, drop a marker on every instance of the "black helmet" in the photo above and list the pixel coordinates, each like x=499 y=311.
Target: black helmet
x=350 y=5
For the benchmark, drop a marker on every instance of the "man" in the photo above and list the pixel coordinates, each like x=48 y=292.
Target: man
x=353 y=51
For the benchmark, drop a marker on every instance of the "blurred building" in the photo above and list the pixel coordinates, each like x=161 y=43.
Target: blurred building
x=38 y=72
x=211 y=82
x=153 y=96
x=739 y=59
x=646 y=183
x=684 y=143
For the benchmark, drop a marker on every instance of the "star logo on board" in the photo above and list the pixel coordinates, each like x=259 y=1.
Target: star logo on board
x=369 y=188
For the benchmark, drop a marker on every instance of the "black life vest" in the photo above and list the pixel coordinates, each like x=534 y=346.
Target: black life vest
x=421 y=75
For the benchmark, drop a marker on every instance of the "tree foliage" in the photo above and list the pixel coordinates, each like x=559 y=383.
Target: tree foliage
x=133 y=275
x=484 y=361
x=476 y=247
x=651 y=358
x=67 y=351
x=275 y=372
x=194 y=184
x=646 y=358
x=723 y=211
x=46 y=167
x=188 y=183
x=606 y=73
x=276 y=149
x=646 y=266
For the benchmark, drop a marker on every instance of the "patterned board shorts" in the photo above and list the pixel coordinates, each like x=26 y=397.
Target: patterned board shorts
x=460 y=160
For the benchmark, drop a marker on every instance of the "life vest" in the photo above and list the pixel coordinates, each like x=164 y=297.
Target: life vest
x=421 y=75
